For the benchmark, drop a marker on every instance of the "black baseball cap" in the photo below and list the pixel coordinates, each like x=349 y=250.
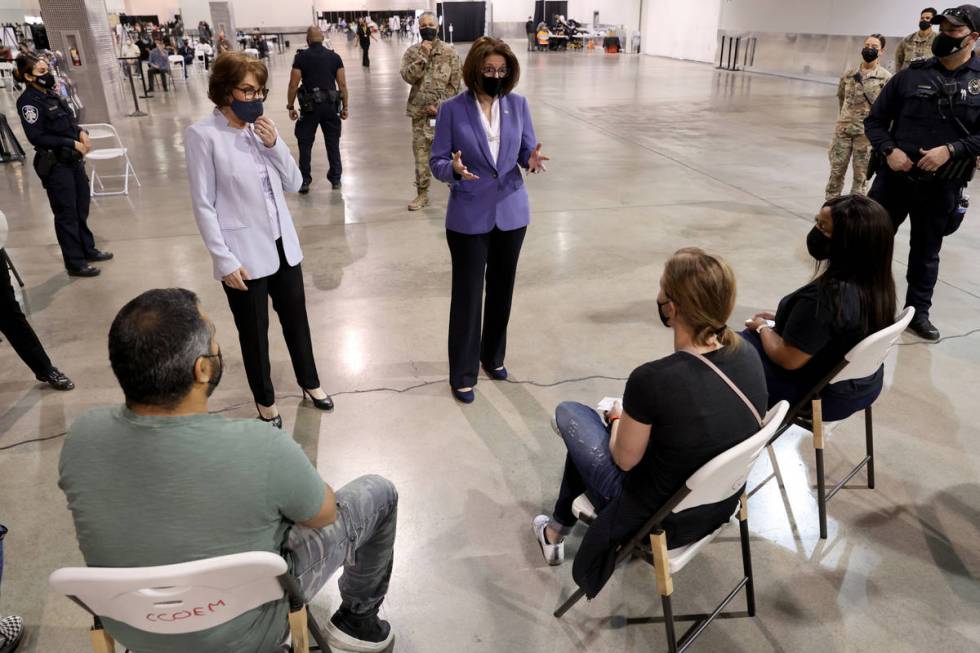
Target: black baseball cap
x=968 y=15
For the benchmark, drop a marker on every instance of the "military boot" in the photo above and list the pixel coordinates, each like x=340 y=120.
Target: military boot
x=420 y=202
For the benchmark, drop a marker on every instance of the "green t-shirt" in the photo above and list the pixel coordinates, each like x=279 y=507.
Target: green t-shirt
x=147 y=491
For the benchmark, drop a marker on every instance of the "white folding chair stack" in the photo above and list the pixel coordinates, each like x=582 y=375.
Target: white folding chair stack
x=104 y=131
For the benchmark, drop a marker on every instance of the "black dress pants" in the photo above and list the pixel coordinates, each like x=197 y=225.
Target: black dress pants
x=251 y=311
x=365 y=59
x=493 y=255
x=930 y=206
x=17 y=330
x=70 y=196
x=324 y=116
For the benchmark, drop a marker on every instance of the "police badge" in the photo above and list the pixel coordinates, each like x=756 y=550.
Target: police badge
x=30 y=112
x=974 y=87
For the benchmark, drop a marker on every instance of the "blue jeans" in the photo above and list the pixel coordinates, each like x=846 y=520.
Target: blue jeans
x=589 y=466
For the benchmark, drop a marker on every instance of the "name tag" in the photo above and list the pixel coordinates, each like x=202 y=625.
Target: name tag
x=432 y=122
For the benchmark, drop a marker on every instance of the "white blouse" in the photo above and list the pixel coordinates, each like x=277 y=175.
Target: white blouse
x=270 y=197
x=491 y=127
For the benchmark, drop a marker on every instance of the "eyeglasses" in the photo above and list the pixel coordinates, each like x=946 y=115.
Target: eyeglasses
x=253 y=94
x=490 y=71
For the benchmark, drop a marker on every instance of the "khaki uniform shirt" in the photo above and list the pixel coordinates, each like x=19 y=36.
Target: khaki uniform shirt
x=856 y=92
x=912 y=47
x=434 y=78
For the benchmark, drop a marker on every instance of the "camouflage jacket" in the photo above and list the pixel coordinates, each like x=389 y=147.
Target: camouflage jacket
x=856 y=92
x=912 y=47
x=434 y=78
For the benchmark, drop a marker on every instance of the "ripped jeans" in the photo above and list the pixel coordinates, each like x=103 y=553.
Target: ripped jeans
x=589 y=466
x=361 y=540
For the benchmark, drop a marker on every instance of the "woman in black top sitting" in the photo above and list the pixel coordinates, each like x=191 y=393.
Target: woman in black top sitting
x=852 y=296
x=677 y=414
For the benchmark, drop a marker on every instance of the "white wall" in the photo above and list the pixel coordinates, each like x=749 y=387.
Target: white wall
x=165 y=9
x=840 y=17
x=13 y=11
x=682 y=30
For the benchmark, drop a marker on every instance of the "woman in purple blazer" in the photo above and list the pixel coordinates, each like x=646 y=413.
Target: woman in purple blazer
x=490 y=129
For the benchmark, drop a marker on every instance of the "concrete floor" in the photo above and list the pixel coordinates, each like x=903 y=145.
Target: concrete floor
x=648 y=155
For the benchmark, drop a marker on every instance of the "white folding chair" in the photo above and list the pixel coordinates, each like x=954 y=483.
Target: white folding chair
x=7 y=70
x=715 y=481
x=252 y=52
x=863 y=360
x=177 y=60
x=187 y=597
x=100 y=131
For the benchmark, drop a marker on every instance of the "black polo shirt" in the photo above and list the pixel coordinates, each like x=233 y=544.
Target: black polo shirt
x=318 y=66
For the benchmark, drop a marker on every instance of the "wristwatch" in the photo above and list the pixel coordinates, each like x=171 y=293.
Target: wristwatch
x=759 y=328
x=290 y=107
x=887 y=151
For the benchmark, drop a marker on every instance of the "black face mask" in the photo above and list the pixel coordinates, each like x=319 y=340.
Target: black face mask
x=45 y=81
x=663 y=316
x=216 y=376
x=924 y=25
x=869 y=54
x=945 y=45
x=428 y=33
x=818 y=244
x=492 y=86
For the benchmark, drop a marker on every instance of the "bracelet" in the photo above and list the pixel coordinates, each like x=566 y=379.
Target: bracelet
x=761 y=327
x=612 y=419
x=290 y=108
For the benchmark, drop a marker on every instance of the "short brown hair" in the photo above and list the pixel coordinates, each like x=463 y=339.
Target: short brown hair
x=228 y=71
x=482 y=48
x=702 y=288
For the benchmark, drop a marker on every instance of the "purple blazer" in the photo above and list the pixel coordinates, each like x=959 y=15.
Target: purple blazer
x=498 y=198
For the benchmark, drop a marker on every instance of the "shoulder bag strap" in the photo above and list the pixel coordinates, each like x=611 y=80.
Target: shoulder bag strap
x=729 y=382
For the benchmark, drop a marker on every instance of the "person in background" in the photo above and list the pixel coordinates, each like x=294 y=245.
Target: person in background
x=677 y=413
x=530 y=30
x=220 y=486
x=483 y=139
x=857 y=91
x=159 y=65
x=129 y=49
x=433 y=69
x=239 y=170
x=544 y=36
x=61 y=145
x=918 y=44
x=323 y=101
x=364 y=36
x=17 y=330
x=852 y=297
x=223 y=45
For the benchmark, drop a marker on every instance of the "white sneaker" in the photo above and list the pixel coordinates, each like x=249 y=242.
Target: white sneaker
x=583 y=509
x=554 y=554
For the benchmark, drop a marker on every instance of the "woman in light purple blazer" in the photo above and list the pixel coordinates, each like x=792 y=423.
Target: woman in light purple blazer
x=490 y=129
x=239 y=171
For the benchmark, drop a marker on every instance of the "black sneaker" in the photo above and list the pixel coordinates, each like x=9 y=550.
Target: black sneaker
x=335 y=185
x=98 y=255
x=360 y=633
x=305 y=188
x=83 y=271
x=56 y=379
x=922 y=327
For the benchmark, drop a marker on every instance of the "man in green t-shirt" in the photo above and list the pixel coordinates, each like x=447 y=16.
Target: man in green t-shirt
x=160 y=481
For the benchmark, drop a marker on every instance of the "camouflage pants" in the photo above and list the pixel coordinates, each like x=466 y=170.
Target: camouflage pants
x=422 y=135
x=846 y=149
x=361 y=540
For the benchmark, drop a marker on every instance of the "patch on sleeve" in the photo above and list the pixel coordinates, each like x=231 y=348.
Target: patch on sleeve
x=30 y=113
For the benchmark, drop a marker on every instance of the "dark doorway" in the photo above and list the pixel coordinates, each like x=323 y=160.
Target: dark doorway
x=546 y=11
x=469 y=20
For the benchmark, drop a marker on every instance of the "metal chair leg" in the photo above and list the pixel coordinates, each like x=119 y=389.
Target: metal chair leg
x=869 y=439
x=821 y=480
x=669 y=623
x=572 y=600
x=743 y=531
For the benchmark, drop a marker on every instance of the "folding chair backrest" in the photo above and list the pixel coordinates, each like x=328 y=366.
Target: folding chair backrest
x=102 y=130
x=725 y=474
x=174 y=599
x=867 y=356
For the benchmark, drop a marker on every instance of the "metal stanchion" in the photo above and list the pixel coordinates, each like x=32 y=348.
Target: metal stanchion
x=146 y=94
x=10 y=149
x=132 y=85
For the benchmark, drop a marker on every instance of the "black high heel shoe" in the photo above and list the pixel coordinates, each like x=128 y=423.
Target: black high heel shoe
x=321 y=404
x=275 y=421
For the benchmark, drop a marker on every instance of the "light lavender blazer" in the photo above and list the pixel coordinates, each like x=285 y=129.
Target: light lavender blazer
x=229 y=205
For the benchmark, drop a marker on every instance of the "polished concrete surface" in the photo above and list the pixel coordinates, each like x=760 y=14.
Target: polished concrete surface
x=648 y=155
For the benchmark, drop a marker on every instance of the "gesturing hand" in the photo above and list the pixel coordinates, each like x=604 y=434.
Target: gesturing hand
x=237 y=279
x=933 y=159
x=426 y=47
x=266 y=131
x=899 y=161
x=535 y=162
x=293 y=114
x=461 y=169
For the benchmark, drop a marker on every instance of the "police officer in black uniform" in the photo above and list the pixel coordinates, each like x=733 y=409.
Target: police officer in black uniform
x=323 y=103
x=60 y=148
x=925 y=127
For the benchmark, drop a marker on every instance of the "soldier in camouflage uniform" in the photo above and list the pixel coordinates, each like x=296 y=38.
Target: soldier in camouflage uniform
x=432 y=68
x=857 y=91
x=917 y=44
